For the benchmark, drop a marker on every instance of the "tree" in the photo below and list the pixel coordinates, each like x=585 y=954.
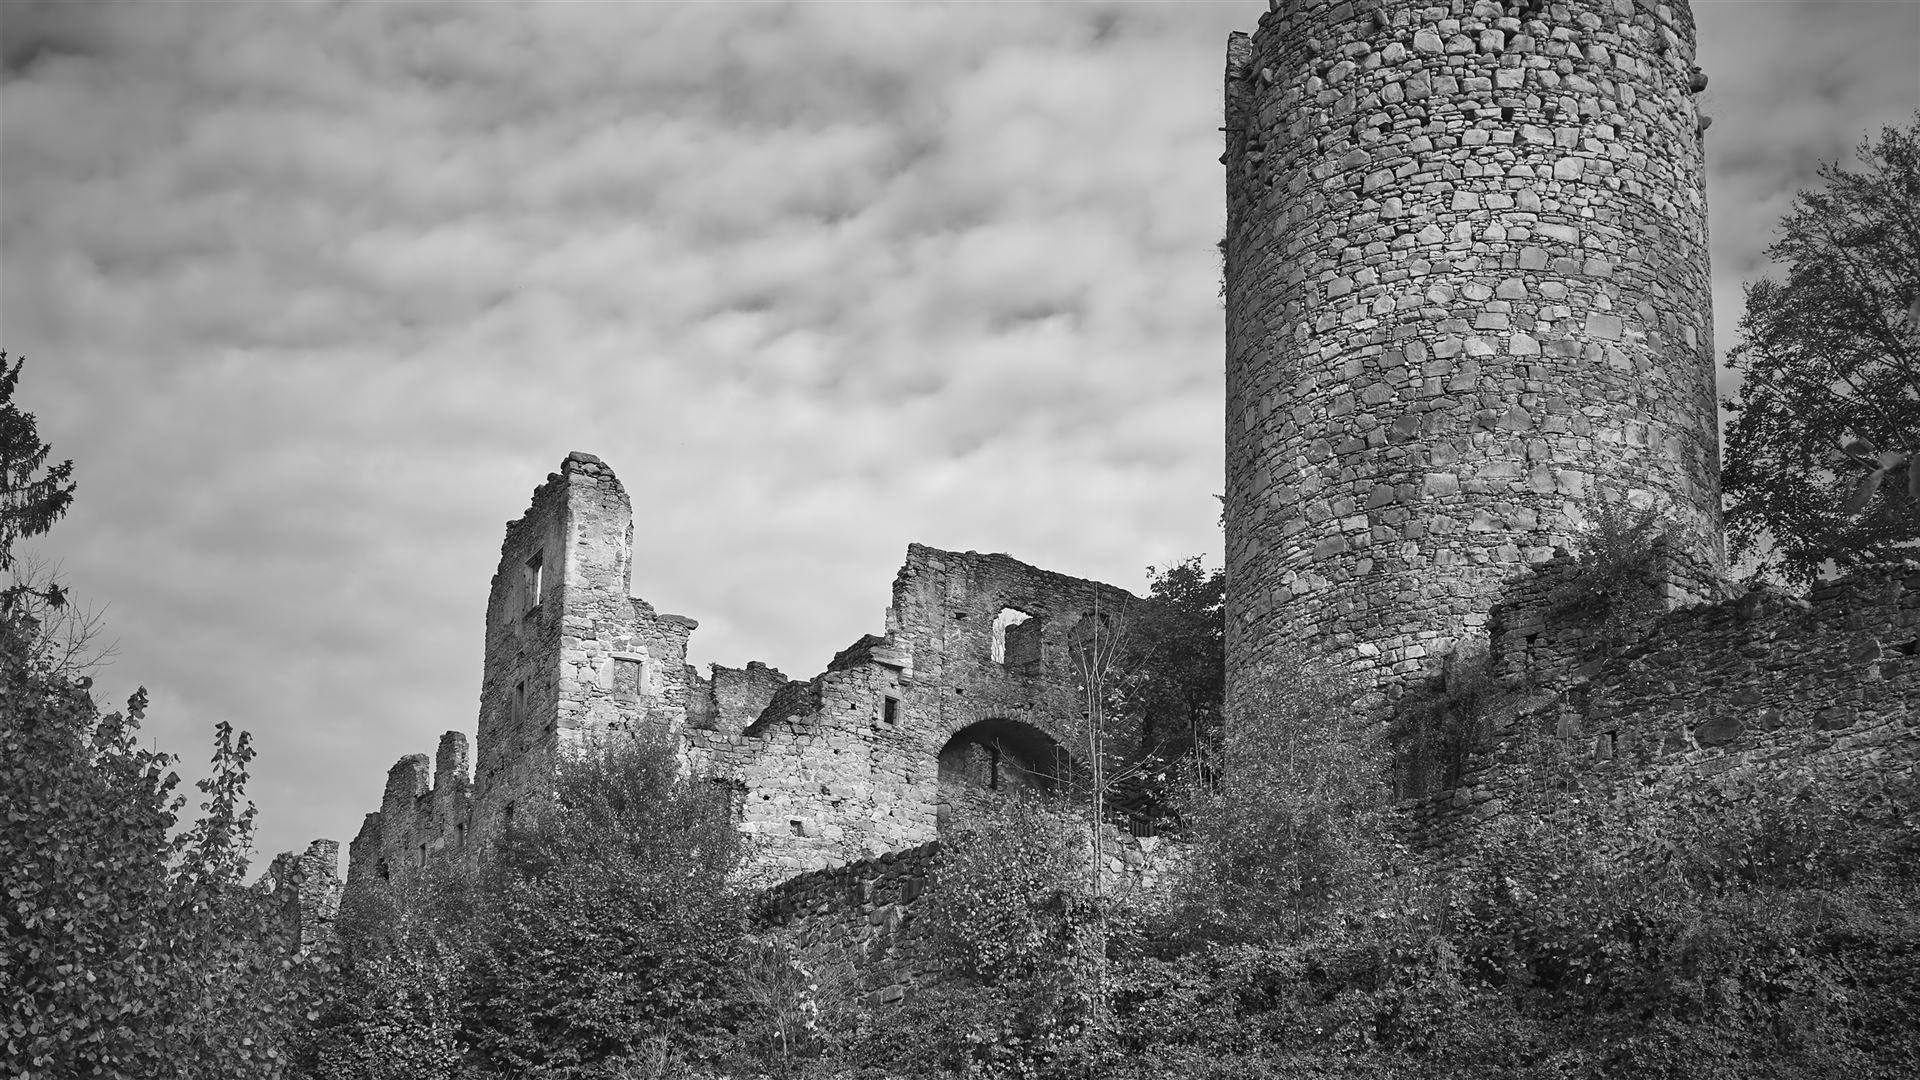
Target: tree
x=1823 y=451
x=1161 y=687
x=33 y=495
x=1298 y=818
x=612 y=934
x=1176 y=669
x=127 y=948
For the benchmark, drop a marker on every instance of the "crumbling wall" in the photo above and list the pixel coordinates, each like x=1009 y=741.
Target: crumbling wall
x=569 y=651
x=864 y=925
x=847 y=765
x=303 y=892
x=1759 y=685
x=838 y=768
x=419 y=818
x=1467 y=292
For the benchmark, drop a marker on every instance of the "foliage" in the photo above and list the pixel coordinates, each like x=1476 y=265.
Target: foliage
x=598 y=938
x=129 y=948
x=1176 y=668
x=1297 y=821
x=1436 y=729
x=1008 y=898
x=1821 y=449
x=392 y=1007
x=1011 y=919
x=1614 y=581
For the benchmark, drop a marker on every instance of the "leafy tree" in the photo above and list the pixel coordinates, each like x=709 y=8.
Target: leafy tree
x=612 y=934
x=1176 y=670
x=1297 y=820
x=1821 y=451
x=599 y=936
x=127 y=948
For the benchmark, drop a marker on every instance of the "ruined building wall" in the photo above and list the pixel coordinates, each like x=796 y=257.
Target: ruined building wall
x=842 y=767
x=568 y=651
x=1467 y=294
x=857 y=761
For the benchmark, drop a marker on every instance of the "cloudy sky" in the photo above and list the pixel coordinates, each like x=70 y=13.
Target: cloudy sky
x=315 y=294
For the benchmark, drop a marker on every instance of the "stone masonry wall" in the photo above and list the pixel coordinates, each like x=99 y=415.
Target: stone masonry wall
x=847 y=765
x=417 y=819
x=303 y=892
x=864 y=925
x=1759 y=685
x=1467 y=293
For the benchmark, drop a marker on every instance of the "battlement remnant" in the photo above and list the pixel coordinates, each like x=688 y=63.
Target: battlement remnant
x=1467 y=300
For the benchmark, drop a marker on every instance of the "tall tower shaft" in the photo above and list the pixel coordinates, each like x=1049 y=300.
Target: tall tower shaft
x=1467 y=302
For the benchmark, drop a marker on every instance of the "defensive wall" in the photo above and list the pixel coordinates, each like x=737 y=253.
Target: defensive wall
x=1762 y=685
x=1467 y=296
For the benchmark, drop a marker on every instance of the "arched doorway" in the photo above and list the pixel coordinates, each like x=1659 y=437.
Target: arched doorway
x=996 y=759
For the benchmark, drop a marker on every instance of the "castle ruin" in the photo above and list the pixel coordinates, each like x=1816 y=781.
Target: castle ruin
x=969 y=693
x=1467 y=302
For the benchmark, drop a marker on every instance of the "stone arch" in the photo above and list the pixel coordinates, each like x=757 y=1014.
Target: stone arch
x=998 y=758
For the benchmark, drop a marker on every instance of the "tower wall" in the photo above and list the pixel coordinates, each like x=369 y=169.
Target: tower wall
x=1467 y=300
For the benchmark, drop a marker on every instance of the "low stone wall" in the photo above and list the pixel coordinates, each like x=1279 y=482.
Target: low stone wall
x=858 y=925
x=1755 y=686
x=863 y=925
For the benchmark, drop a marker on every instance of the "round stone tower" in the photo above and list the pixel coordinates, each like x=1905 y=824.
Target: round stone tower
x=1467 y=303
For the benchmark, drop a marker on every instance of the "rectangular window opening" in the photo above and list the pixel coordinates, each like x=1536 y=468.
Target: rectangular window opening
x=533 y=579
x=890 y=709
x=518 y=709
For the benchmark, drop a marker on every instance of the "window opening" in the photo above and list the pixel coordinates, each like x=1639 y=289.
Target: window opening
x=518 y=710
x=1008 y=617
x=890 y=709
x=532 y=578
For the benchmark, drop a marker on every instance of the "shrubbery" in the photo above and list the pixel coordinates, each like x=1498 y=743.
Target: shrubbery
x=598 y=938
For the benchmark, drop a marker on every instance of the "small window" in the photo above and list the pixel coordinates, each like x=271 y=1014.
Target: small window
x=460 y=837
x=517 y=711
x=890 y=709
x=423 y=856
x=532 y=579
x=381 y=869
x=506 y=817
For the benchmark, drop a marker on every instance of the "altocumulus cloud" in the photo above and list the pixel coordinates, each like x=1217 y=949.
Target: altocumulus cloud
x=315 y=294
